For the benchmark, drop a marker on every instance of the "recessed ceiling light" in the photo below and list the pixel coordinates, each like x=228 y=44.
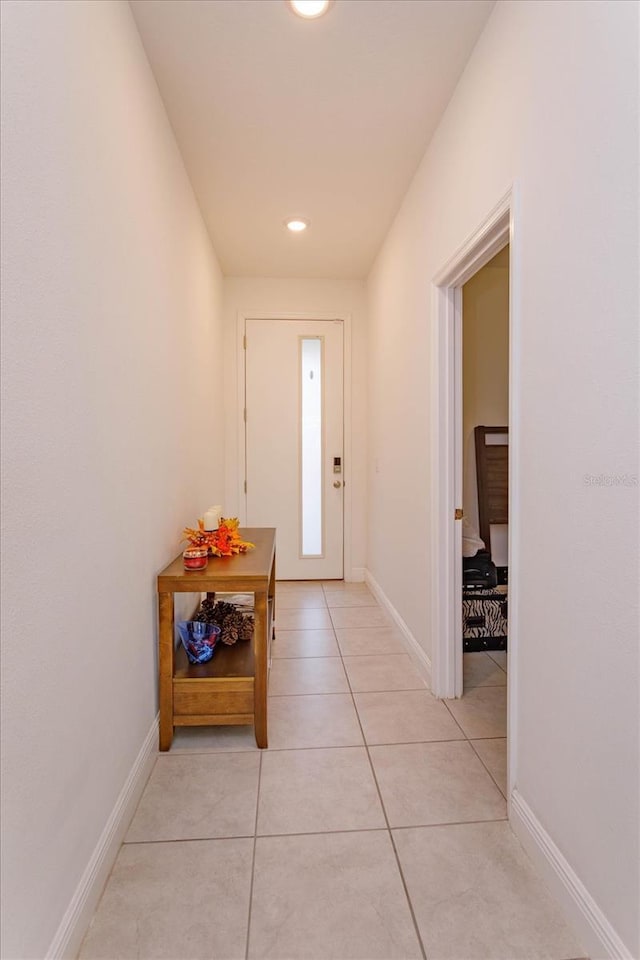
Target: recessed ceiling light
x=309 y=9
x=296 y=225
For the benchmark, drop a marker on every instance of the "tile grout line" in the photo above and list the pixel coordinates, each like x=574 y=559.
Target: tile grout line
x=307 y=630
x=335 y=606
x=386 y=818
x=484 y=686
x=332 y=656
x=385 y=829
x=213 y=752
x=233 y=836
x=470 y=742
x=184 y=752
x=317 y=833
x=489 y=652
x=485 y=765
x=455 y=720
x=253 y=858
x=345 y=693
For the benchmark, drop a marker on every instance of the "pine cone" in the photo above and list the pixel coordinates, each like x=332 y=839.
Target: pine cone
x=229 y=634
x=207 y=613
x=232 y=627
x=233 y=624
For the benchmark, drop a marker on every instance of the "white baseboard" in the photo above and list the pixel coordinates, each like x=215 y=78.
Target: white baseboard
x=79 y=913
x=415 y=651
x=356 y=576
x=596 y=934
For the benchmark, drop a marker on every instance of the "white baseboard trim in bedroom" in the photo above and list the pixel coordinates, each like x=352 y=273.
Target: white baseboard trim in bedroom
x=415 y=651
x=77 y=918
x=598 y=937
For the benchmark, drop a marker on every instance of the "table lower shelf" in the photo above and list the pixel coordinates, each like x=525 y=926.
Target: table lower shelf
x=218 y=692
x=233 y=662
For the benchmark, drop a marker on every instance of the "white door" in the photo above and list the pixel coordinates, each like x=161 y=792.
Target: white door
x=293 y=435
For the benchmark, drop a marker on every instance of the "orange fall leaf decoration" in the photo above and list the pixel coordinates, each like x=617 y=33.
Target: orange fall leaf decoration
x=223 y=542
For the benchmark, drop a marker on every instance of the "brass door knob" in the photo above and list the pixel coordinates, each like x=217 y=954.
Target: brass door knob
x=337 y=484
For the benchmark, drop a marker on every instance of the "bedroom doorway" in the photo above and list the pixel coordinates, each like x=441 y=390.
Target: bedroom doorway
x=489 y=243
x=482 y=711
x=485 y=472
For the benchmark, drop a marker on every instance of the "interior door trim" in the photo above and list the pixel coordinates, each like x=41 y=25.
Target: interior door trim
x=241 y=325
x=493 y=233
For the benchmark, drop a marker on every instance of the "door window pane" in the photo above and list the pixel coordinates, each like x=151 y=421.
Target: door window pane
x=311 y=445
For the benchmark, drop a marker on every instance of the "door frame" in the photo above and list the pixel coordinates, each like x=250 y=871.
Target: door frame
x=496 y=230
x=241 y=326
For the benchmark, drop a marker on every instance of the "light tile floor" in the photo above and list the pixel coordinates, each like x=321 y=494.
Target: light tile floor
x=374 y=826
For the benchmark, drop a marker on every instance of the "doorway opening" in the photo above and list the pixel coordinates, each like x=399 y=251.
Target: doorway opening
x=485 y=503
x=492 y=237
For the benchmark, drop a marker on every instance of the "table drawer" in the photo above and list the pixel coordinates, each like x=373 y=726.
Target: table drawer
x=212 y=697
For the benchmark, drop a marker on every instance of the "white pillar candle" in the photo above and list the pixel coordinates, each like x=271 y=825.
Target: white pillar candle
x=212 y=518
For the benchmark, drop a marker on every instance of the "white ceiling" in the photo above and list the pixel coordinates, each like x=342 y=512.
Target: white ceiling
x=326 y=119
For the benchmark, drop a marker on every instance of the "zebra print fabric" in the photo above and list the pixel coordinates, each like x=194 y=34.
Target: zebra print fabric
x=484 y=614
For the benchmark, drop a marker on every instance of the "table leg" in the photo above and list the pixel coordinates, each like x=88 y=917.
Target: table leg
x=166 y=656
x=260 y=682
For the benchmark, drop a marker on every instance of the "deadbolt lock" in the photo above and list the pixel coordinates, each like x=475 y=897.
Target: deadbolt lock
x=459 y=513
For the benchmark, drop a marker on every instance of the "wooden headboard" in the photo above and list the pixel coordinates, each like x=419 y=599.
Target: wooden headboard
x=492 y=470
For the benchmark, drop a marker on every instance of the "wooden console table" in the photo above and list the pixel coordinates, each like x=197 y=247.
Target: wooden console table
x=232 y=687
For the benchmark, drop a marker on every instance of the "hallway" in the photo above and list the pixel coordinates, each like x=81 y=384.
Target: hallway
x=373 y=827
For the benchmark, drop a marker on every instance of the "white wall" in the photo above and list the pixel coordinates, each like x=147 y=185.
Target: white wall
x=251 y=296
x=549 y=101
x=485 y=377
x=112 y=429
